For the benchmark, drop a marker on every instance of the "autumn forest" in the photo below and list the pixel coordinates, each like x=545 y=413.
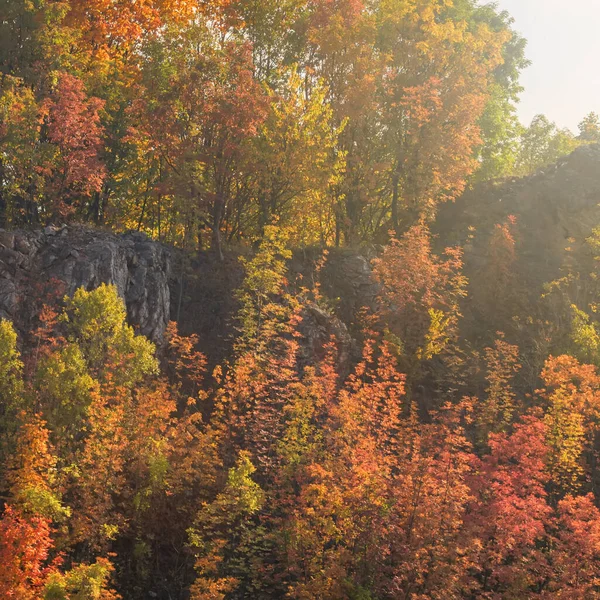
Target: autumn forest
x=439 y=441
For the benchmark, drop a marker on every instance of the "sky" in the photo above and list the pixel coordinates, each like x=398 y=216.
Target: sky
x=563 y=36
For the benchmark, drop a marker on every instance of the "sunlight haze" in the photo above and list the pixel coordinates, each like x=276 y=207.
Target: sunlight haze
x=292 y=306
x=563 y=81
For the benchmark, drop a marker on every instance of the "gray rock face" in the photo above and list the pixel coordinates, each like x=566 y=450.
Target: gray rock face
x=84 y=257
x=318 y=328
x=555 y=208
x=556 y=211
x=349 y=276
x=346 y=278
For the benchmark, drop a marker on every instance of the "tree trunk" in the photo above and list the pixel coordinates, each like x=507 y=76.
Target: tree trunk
x=216 y=243
x=3 y=207
x=395 y=199
x=353 y=211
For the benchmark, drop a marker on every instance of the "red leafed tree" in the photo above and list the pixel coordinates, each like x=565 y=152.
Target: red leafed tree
x=510 y=513
x=74 y=127
x=205 y=126
x=25 y=542
x=381 y=506
x=576 y=549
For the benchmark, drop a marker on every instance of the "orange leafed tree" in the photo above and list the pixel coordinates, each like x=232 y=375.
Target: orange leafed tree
x=74 y=127
x=108 y=24
x=421 y=293
x=436 y=86
x=25 y=543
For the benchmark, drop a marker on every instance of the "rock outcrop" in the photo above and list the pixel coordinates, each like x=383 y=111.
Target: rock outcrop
x=84 y=257
x=346 y=278
x=556 y=209
x=319 y=327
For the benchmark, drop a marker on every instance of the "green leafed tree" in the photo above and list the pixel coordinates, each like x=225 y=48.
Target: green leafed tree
x=97 y=322
x=589 y=128
x=542 y=144
x=227 y=538
x=11 y=388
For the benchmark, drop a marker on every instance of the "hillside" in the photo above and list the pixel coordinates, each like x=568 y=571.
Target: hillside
x=293 y=306
x=555 y=210
x=301 y=389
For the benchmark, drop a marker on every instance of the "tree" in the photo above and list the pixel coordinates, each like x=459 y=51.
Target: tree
x=32 y=472
x=25 y=543
x=97 y=324
x=296 y=191
x=23 y=161
x=64 y=388
x=28 y=573
x=110 y=27
x=589 y=128
x=542 y=144
x=498 y=410
x=507 y=519
x=74 y=127
x=500 y=126
x=339 y=48
x=421 y=292
x=206 y=125
x=11 y=385
x=501 y=132
x=263 y=285
x=84 y=582
x=256 y=387
x=576 y=547
x=336 y=526
x=378 y=511
x=572 y=418
x=226 y=536
x=435 y=92
x=499 y=293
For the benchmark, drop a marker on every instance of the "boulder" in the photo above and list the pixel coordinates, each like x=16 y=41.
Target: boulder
x=75 y=256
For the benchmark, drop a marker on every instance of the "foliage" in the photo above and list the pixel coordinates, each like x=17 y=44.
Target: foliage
x=262 y=313
x=224 y=528
x=286 y=478
x=589 y=128
x=25 y=542
x=97 y=323
x=32 y=472
x=542 y=144
x=296 y=191
x=406 y=456
x=199 y=123
x=421 y=293
x=11 y=383
x=497 y=410
x=84 y=582
x=74 y=128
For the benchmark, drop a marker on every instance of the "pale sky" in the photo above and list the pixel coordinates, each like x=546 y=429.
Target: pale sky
x=563 y=36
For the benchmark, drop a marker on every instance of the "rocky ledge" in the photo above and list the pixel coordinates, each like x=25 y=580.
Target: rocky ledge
x=69 y=257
